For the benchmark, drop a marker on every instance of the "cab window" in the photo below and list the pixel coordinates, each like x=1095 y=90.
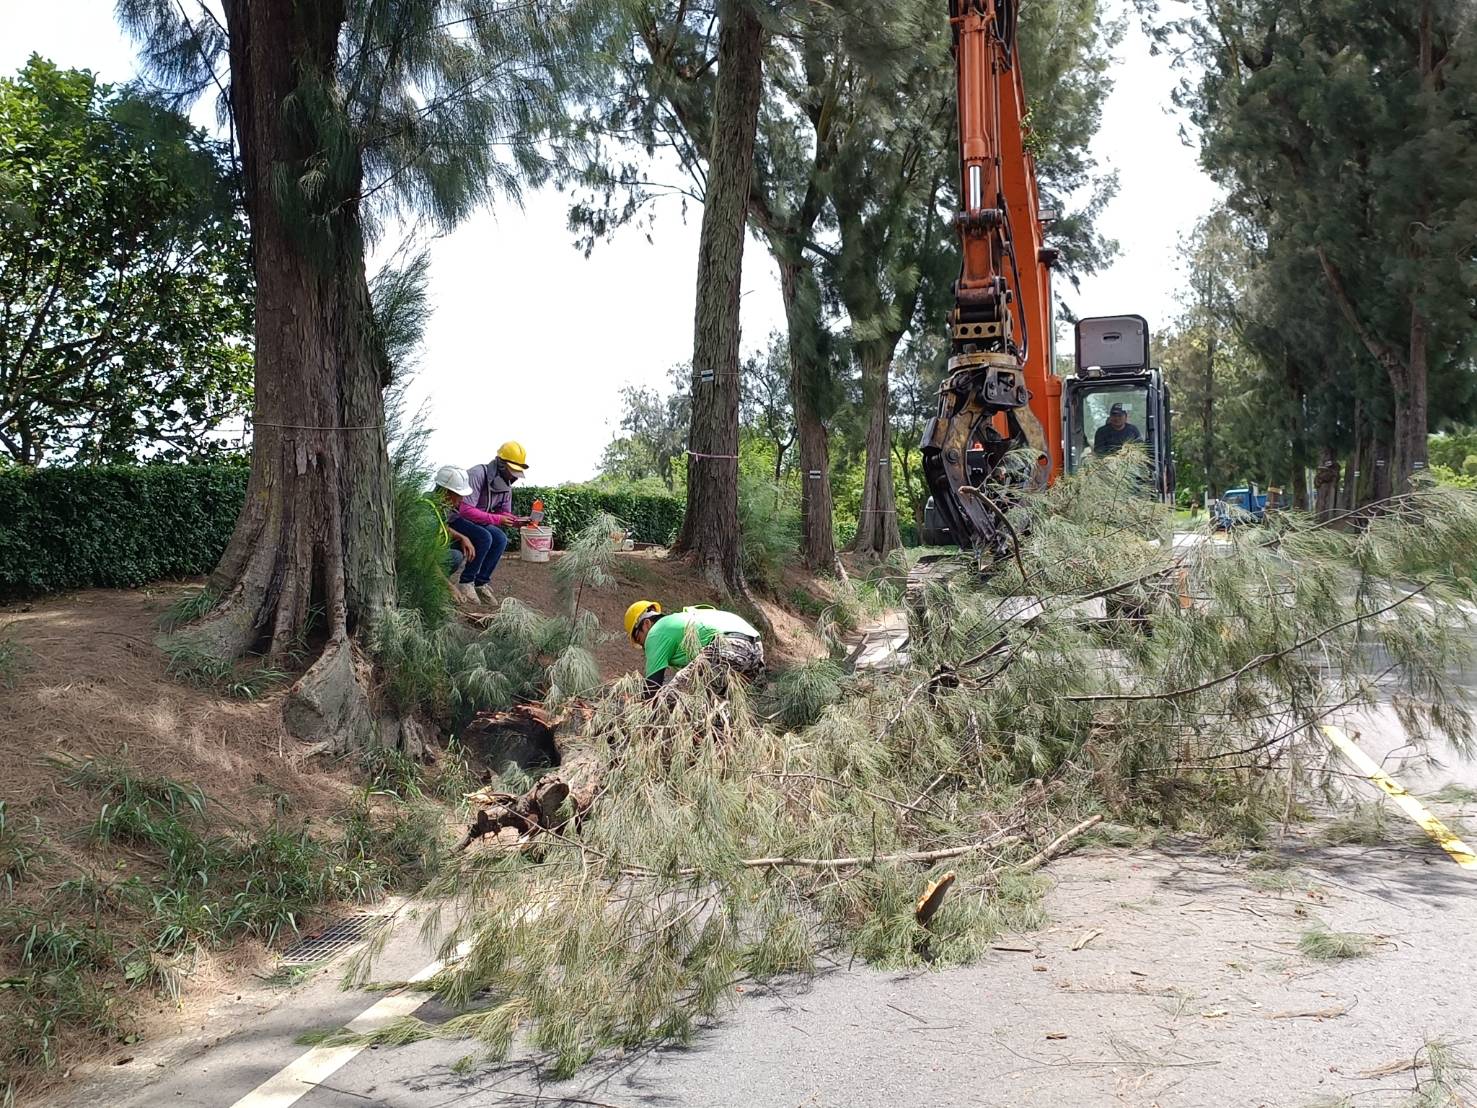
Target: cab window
x=1094 y=410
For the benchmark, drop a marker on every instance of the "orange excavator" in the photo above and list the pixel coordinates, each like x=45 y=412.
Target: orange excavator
x=1006 y=422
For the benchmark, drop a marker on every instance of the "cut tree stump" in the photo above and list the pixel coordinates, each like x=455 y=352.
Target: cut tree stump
x=560 y=796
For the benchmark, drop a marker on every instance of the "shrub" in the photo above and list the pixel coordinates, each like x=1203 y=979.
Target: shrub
x=70 y=527
x=769 y=529
x=114 y=526
x=653 y=519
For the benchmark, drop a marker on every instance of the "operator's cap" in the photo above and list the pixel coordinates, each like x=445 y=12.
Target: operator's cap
x=1117 y=409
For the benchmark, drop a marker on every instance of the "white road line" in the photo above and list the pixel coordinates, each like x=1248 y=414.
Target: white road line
x=297 y=1080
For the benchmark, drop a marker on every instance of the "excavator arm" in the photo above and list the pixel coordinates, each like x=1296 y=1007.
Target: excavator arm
x=998 y=428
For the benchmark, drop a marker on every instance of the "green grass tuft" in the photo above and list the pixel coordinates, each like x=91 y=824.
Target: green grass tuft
x=1364 y=825
x=1323 y=945
x=187 y=609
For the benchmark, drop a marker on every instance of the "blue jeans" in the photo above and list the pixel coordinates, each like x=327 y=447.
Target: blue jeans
x=488 y=544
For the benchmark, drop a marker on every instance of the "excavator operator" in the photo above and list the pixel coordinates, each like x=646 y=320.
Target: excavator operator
x=1112 y=435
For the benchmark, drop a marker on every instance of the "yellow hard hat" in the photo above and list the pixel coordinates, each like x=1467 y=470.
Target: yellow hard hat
x=636 y=611
x=514 y=455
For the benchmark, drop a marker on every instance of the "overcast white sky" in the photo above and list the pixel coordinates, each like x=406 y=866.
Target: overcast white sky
x=532 y=341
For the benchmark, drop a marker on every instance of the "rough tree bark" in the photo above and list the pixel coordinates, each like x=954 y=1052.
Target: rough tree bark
x=1381 y=483
x=1353 y=471
x=710 y=529
x=877 y=530
x=1207 y=413
x=315 y=531
x=802 y=306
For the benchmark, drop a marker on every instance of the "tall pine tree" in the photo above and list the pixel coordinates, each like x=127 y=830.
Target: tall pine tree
x=343 y=112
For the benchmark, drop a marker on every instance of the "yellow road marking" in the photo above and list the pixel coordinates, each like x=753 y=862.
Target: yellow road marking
x=1440 y=834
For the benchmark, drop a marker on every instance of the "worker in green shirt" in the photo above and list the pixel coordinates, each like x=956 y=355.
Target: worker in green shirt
x=672 y=640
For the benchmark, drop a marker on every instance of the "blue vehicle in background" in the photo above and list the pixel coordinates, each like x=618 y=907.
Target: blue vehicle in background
x=1245 y=505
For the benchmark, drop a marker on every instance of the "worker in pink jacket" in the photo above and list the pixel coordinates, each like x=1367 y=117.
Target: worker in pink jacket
x=492 y=484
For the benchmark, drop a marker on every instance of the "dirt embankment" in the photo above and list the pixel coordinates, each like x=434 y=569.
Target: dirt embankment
x=650 y=575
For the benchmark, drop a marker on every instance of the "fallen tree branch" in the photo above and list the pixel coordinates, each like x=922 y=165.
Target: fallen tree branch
x=868 y=860
x=1259 y=660
x=845 y=785
x=1058 y=844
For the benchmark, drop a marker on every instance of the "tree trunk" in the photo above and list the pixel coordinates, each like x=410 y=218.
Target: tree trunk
x=1381 y=483
x=1413 y=444
x=1207 y=413
x=876 y=528
x=315 y=532
x=802 y=323
x=1353 y=472
x=1326 y=484
x=710 y=529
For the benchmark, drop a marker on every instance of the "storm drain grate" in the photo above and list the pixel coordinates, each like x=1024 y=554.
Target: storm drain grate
x=332 y=941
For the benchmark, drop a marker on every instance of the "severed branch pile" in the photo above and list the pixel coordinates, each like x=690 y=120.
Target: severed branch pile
x=682 y=848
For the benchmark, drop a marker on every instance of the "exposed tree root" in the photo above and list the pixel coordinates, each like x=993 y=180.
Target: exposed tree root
x=331 y=702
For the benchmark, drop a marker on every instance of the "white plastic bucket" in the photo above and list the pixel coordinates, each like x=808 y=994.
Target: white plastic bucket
x=536 y=543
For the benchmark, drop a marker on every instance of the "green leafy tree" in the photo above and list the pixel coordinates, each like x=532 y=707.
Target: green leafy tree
x=1068 y=49
x=766 y=407
x=654 y=427
x=125 y=280
x=662 y=83
x=344 y=113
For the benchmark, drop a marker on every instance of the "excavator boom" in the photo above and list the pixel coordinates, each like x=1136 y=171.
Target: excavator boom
x=998 y=427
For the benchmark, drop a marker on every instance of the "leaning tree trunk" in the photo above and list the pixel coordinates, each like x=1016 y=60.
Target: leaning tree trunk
x=710 y=529
x=315 y=532
x=1207 y=414
x=876 y=528
x=802 y=318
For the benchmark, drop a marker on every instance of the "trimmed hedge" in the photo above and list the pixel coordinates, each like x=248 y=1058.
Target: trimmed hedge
x=67 y=527
x=72 y=527
x=654 y=519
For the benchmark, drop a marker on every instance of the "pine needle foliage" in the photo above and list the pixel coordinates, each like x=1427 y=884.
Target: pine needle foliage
x=1323 y=945
x=449 y=671
x=727 y=847
x=800 y=694
x=588 y=561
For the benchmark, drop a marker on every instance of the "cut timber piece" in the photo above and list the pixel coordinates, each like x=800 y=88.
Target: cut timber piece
x=1022 y=608
x=933 y=899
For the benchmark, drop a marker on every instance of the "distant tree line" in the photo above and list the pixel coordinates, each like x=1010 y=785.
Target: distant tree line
x=1330 y=309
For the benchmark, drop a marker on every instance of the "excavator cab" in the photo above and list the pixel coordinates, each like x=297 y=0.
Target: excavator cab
x=1115 y=398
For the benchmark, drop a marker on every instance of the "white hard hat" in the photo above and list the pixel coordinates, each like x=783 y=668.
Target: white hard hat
x=450 y=477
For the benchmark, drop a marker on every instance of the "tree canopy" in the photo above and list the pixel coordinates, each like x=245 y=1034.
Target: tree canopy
x=1344 y=132
x=125 y=279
